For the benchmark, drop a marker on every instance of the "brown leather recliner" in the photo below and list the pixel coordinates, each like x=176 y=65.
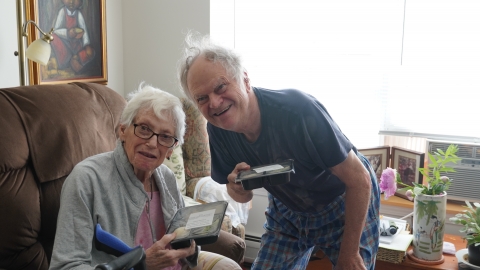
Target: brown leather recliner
x=45 y=130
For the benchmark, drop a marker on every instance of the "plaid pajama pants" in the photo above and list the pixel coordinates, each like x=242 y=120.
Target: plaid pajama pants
x=290 y=237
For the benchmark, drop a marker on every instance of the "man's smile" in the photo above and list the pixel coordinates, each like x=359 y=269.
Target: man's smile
x=222 y=112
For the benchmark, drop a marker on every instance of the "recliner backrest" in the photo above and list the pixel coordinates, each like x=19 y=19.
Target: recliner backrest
x=45 y=130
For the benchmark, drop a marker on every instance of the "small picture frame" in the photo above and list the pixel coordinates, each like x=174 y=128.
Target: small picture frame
x=407 y=163
x=379 y=158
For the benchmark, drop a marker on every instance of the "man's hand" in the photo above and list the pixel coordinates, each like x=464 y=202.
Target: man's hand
x=235 y=190
x=159 y=257
x=350 y=262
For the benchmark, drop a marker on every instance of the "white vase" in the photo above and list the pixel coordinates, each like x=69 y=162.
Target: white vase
x=429 y=226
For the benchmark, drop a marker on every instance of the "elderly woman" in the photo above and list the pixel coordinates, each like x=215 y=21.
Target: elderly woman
x=130 y=193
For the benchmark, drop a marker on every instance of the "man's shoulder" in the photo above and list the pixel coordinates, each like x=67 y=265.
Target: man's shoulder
x=284 y=95
x=287 y=101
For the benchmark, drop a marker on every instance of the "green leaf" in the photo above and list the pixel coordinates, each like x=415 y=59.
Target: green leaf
x=432 y=160
x=418 y=189
x=469 y=219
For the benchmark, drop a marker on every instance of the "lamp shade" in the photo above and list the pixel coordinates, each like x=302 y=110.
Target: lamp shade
x=39 y=51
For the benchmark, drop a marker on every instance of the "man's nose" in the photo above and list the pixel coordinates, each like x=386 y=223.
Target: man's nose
x=215 y=101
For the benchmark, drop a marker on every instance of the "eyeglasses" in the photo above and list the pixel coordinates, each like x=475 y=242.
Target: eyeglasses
x=146 y=133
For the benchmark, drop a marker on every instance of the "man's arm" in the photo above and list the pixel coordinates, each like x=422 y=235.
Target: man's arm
x=357 y=196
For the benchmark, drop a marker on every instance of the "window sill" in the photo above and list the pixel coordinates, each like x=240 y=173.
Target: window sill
x=452 y=207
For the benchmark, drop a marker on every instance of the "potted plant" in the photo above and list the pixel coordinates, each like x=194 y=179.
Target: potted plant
x=470 y=220
x=430 y=202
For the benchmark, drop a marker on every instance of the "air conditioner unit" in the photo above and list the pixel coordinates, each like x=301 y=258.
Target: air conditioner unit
x=466 y=178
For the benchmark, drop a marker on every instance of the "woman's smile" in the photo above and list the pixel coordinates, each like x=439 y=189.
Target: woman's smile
x=148 y=155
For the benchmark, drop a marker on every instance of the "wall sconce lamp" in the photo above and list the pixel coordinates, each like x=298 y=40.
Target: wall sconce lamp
x=39 y=51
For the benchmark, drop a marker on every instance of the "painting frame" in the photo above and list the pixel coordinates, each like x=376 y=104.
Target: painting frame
x=81 y=58
x=374 y=154
x=407 y=163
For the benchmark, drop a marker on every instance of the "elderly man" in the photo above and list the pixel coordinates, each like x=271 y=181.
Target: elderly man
x=331 y=202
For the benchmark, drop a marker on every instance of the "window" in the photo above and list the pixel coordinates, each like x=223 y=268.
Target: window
x=436 y=88
x=376 y=65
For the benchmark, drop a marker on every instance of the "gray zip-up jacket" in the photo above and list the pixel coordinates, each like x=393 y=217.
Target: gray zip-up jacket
x=104 y=189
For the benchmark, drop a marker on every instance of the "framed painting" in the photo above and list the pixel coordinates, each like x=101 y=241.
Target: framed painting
x=407 y=163
x=79 y=40
x=379 y=158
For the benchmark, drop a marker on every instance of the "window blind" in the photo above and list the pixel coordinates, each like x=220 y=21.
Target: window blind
x=397 y=66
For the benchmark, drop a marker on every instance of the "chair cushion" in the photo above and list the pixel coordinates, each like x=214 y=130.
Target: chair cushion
x=176 y=165
x=66 y=123
x=196 y=149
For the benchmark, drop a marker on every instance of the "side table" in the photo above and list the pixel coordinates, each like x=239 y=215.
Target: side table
x=450 y=262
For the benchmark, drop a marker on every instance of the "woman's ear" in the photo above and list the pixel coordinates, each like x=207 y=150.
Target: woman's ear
x=121 y=132
x=169 y=152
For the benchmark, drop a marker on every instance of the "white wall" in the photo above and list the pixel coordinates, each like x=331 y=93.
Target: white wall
x=153 y=36
x=143 y=41
x=115 y=45
x=9 y=74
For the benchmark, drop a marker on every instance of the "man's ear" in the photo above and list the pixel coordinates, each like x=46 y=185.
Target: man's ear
x=246 y=80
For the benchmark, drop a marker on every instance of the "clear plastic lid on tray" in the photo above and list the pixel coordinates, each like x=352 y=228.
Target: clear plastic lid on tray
x=258 y=176
x=201 y=223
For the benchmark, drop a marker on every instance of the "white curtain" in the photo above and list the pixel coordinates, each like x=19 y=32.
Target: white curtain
x=396 y=65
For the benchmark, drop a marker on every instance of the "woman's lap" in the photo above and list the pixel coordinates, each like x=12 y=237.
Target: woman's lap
x=213 y=261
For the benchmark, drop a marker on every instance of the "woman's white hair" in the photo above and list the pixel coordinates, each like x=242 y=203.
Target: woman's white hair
x=164 y=105
x=197 y=45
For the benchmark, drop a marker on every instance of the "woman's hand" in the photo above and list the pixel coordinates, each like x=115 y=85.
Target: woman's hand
x=235 y=190
x=159 y=257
